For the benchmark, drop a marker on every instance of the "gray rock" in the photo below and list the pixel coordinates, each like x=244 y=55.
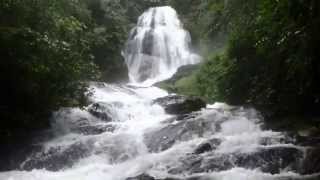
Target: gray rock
x=271 y=160
x=207 y=146
x=177 y=104
x=101 y=111
x=164 y=138
x=56 y=159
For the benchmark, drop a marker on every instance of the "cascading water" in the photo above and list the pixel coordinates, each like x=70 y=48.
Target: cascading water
x=126 y=131
x=157 y=46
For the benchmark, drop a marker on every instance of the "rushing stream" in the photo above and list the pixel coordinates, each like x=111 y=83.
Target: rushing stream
x=139 y=131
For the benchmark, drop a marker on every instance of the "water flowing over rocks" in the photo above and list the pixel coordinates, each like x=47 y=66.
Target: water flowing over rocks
x=139 y=132
x=214 y=142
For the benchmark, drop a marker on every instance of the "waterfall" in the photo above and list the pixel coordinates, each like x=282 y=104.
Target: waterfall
x=137 y=133
x=157 y=46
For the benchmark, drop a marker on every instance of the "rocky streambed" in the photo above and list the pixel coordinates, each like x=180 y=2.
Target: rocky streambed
x=134 y=133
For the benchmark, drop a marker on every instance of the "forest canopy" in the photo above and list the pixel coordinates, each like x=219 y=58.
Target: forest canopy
x=51 y=48
x=262 y=53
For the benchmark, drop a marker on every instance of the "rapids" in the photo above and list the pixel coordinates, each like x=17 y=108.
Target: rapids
x=124 y=132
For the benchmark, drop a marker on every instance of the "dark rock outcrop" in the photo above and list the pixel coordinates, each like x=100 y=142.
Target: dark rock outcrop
x=100 y=111
x=162 y=139
x=179 y=105
x=271 y=160
x=207 y=146
x=56 y=159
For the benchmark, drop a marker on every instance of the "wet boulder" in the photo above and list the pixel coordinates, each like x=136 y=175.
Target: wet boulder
x=102 y=111
x=177 y=104
x=162 y=139
x=190 y=163
x=207 y=146
x=94 y=129
x=271 y=160
x=56 y=158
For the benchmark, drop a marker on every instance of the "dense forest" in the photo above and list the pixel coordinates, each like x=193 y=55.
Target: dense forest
x=261 y=53
x=51 y=49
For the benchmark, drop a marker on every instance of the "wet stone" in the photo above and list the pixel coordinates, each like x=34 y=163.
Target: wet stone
x=207 y=146
x=164 y=138
x=56 y=159
x=179 y=105
x=94 y=129
x=101 y=111
x=271 y=160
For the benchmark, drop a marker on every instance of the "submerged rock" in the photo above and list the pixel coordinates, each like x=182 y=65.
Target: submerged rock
x=56 y=158
x=177 y=104
x=100 y=110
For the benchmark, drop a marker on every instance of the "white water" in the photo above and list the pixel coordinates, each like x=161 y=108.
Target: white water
x=123 y=153
x=157 y=47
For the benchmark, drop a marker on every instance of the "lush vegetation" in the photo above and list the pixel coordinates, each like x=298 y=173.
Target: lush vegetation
x=51 y=48
x=44 y=58
x=269 y=58
x=263 y=53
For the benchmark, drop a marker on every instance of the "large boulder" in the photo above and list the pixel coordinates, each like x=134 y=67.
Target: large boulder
x=101 y=110
x=165 y=137
x=270 y=160
x=56 y=158
x=179 y=105
x=207 y=146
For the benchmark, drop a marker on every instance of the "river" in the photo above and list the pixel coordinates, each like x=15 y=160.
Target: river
x=126 y=132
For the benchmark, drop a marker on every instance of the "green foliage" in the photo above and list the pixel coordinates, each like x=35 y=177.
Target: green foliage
x=110 y=34
x=186 y=84
x=45 y=58
x=272 y=57
x=50 y=48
